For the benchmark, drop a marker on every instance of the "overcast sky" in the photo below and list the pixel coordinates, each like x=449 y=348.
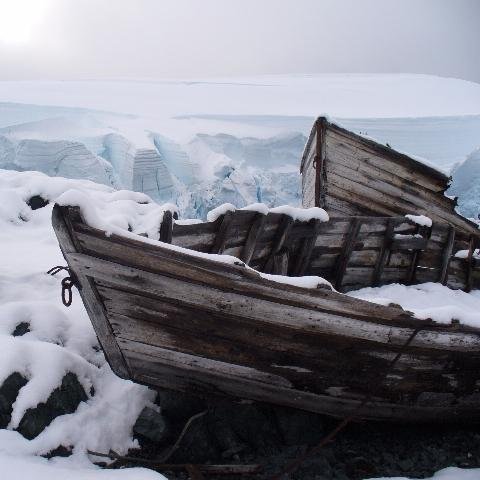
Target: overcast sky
x=65 y=39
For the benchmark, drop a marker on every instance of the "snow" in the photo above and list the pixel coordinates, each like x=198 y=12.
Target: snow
x=308 y=281
x=222 y=209
x=300 y=214
x=21 y=467
x=420 y=220
x=60 y=339
x=427 y=300
x=451 y=473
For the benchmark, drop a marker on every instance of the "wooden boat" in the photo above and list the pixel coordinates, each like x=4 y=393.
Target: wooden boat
x=351 y=175
x=170 y=318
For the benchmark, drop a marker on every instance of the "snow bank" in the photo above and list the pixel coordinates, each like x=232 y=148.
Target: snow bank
x=428 y=300
x=59 y=339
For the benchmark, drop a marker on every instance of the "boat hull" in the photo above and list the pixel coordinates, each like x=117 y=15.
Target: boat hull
x=169 y=319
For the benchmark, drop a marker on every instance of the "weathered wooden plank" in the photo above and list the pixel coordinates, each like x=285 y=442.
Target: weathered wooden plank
x=247 y=342
x=381 y=158
x=285 y=314
x=315 y=366
x=348 y=247
x=409 y=242
x=255 y=232
x=215 y=368
x=390 y=183
x=447 y=254
x=155 y=370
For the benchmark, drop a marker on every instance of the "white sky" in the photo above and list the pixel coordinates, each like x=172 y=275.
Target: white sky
x=65 y=39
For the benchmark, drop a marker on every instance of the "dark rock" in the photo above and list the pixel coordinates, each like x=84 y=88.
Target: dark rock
x=197 y=446
x=8 y=394
x=256 y=426
x=151 y=425
x=21 y=329
x=360 y=467
x=226 y=439
x=60 y=451
x=37 y=202
x=62 y=400
x=298 y=427
x=178 y=407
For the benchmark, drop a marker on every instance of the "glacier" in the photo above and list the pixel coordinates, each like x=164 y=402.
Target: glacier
x=202 y=143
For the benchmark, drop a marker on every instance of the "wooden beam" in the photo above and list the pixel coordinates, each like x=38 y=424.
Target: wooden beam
x=166 y=227
x=222 y=234
x=347 y=250
x=305 y=254
x=470 y=263
x=319 y=165
x=447 y=253
x=255 y=232
x=384 y=252
x=281 y=235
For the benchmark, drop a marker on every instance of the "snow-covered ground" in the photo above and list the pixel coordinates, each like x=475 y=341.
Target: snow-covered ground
x=62 y=340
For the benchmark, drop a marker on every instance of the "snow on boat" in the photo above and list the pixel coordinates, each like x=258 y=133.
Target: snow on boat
x=351 y=175
x=208 y=324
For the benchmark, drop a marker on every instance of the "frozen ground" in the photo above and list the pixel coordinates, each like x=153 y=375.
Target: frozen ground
x=61 y=340
x=206 y=142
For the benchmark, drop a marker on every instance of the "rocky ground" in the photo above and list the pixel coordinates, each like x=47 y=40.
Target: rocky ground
x=248 y=433
x=274 y=436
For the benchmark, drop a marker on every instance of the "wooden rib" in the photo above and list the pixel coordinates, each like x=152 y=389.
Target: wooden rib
x=470 y=262
x=447 y=253
x=426 y=233
x=280 y=263
x=166 y=227
x=222 y=234
x=348 y=247
x=308 y=244
x=283 y=229
x=383 y=254
x=254 y=233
